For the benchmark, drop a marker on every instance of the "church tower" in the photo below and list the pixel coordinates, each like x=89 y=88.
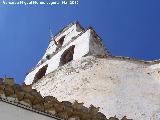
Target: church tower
x=71 y=43
x=76 y=66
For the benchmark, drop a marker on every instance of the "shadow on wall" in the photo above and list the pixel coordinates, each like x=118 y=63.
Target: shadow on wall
x=40 y=73
x=59 y=43
x=67 y=56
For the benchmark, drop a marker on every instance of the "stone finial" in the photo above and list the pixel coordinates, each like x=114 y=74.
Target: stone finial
x=113 y=118
x=8 y=90
x=2 y=86
x=26 y=88
x=77 y=105
x=125 y=118
x=93 y=110
x=9 y=81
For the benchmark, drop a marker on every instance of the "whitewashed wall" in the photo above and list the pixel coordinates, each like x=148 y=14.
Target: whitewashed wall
x=84 y=44
x=11 y=112
x=81 y=49
x=119 y=87
x=71 y=32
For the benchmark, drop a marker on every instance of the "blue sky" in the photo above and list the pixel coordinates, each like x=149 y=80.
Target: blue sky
x=127 y=27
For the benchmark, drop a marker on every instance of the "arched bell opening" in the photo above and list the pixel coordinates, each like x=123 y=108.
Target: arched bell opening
x=67 y=55
x=40 y=73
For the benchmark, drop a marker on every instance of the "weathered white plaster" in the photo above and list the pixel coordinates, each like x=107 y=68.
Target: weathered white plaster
x=84 y=45
x=11 y=112
x=69 y=33
x=118 y=87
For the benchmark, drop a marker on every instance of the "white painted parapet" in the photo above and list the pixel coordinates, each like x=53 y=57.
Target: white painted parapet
x=11 y=112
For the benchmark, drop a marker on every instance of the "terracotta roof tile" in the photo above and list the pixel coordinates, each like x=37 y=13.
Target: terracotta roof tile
x=25 y=97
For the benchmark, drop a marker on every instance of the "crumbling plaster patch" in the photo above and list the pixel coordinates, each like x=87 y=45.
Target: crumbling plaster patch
x=118 y=87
